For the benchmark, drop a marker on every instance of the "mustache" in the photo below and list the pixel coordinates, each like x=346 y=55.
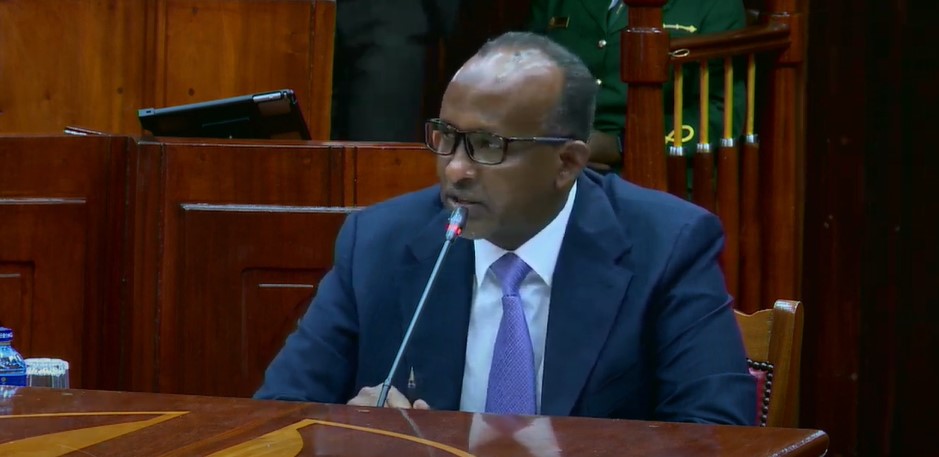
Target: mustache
x=461 y=196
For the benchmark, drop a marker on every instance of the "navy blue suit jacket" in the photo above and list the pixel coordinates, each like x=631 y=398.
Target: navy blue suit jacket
x=640 y=324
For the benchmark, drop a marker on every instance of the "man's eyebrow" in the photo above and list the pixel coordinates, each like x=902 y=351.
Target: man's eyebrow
x=451 y=124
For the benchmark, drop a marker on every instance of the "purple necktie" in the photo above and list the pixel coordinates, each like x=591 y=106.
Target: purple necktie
x=512 y=375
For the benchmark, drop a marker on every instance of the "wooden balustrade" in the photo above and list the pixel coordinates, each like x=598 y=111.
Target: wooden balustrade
x=762 y=260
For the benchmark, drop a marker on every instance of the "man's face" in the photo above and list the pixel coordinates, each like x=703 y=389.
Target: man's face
x=509 y=93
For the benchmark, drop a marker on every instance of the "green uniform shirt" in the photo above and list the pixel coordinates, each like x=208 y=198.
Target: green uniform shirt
x=591 y=29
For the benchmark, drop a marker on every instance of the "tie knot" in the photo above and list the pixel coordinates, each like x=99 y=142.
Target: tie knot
x=511 y=271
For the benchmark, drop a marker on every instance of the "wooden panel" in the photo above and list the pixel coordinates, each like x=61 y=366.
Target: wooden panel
x=112 y=423
x=59 y=283
x=209 y=50
x=70 y=62
x=377 y=172
x=910 y=175
x=48 y=241
x=210 y=219
x=94 y=63
x=16 y=301
x=217 y=338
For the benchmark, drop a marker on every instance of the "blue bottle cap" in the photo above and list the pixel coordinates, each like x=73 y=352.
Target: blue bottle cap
x=6 y=335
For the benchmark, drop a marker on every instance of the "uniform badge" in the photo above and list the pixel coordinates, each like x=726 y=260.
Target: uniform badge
x=558 y=22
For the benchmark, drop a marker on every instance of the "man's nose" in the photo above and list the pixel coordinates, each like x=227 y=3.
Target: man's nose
x=461 y=166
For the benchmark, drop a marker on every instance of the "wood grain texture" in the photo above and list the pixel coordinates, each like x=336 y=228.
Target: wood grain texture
x=95 y=63
x=775 y=336
x=644 y=62
x=226 y=426
x=71 y=62
x=378 y=171
x=211 y=50
x=212 y=216
x=60 y=201
x=728 y=210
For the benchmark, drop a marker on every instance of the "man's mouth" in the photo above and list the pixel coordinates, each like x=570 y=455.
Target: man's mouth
x=454 y=200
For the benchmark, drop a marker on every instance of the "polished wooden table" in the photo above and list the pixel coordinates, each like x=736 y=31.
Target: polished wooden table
x=45 y=422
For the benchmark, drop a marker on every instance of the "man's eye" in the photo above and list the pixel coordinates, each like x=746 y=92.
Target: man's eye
x=488 y=142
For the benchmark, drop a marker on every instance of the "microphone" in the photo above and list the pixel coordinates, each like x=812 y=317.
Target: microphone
x=455 y=225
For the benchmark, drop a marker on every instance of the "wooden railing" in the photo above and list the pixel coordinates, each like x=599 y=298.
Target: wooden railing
x=759 y=187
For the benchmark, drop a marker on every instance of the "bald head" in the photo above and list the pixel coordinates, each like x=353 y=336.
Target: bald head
x=532 y=69
x=516 y=90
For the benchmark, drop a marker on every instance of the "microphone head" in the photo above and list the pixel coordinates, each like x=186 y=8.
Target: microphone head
x=456 y=223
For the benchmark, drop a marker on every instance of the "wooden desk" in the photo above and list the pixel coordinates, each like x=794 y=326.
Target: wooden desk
x=55 y=422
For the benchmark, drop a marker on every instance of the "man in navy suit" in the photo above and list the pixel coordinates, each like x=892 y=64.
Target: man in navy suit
x=568 y=294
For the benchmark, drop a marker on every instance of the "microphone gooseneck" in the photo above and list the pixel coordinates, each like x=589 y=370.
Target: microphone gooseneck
x=455 y=225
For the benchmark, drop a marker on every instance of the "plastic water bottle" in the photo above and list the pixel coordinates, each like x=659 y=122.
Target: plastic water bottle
x=12 y=365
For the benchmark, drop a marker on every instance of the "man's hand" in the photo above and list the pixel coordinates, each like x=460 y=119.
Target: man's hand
x=368 y=396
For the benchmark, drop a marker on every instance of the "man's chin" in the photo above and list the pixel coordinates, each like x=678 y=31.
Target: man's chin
x=475 y=231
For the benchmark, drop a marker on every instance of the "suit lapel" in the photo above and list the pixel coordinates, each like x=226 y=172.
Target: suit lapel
x=437 y=349
x=589 y=287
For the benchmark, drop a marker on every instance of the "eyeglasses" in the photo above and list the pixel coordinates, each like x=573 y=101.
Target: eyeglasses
x=482 y=147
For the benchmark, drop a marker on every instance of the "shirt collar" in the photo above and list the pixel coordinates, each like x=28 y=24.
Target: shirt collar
x=540 y=252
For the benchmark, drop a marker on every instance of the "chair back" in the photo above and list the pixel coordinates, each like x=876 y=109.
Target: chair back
x=773 y=340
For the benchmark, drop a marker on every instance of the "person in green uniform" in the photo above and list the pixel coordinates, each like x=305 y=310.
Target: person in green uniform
x=592 y=28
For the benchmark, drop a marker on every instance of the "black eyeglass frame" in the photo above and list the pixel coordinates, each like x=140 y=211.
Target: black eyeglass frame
x=461 y=135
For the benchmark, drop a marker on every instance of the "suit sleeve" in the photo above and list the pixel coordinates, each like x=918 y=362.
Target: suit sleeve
x=701 y=362
x=317 y=363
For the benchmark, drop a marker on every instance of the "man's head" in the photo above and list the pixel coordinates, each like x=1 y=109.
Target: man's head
x=529 y=104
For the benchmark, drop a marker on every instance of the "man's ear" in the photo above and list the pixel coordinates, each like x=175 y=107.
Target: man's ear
x=574 y=156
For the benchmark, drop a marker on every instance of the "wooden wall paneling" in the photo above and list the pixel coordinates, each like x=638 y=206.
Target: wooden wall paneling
x=909 y=168
x=70 y=62
x=380 y=171
x=212 y=221
x=244 y=275
x=104 y=330
x=875 y=127
x=318 y=111
x=839 y=248
x=146 y=184
x=59 y=280
x=210 y=50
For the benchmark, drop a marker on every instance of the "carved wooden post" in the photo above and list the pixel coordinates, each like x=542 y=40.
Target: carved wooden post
x=783 y=158
x=644 y=67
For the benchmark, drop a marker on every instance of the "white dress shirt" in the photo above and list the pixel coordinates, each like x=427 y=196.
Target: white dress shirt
x=541 y=254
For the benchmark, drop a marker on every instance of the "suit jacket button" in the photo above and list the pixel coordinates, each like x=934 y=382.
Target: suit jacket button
x=599 y=82
x=601 y=44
